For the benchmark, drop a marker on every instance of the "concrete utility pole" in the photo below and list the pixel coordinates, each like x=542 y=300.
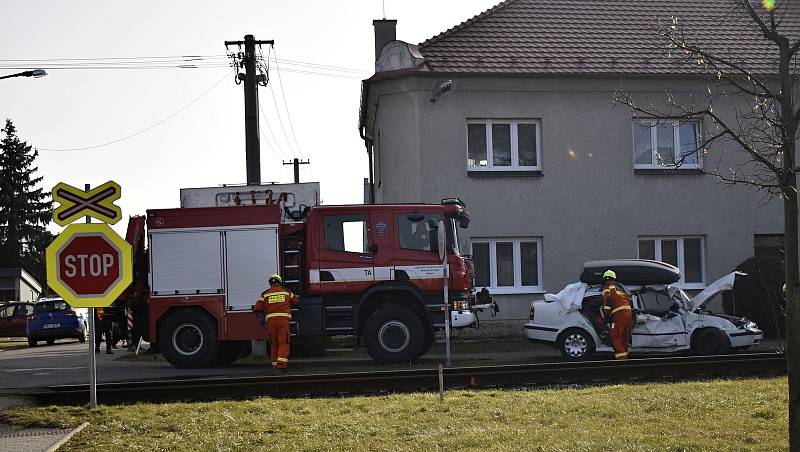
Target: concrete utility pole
x=297 y=162
x=247 y=60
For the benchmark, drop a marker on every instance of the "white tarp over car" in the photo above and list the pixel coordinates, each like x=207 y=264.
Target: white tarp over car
x=722 y=284
x=570 y=297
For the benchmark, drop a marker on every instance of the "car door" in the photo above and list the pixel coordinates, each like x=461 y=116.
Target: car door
x=658 y=327
x=20 y=319
x=6 y=317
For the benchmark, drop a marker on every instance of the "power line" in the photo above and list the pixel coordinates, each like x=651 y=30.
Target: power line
x=146 y=128
x=286 y=106
x=277 y=145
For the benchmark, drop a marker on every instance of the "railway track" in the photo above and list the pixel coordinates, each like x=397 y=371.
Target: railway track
x=353 y=383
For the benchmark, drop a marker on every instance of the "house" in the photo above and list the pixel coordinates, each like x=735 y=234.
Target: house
x=512 y=112
x=17 y=285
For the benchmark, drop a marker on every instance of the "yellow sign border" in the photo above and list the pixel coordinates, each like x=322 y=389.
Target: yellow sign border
x=108 y=203
x=126 y=270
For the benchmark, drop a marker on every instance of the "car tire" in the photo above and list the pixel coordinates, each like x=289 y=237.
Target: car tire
x=32 y=342
x=51 y=341
x=188 y=339
x=85 y=335
x=395 y=334
x=710 y=341
x=576 y=344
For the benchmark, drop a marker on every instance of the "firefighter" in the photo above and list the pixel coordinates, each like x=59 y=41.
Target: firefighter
x=102 y=325
x=276 y=302
x=617 y=311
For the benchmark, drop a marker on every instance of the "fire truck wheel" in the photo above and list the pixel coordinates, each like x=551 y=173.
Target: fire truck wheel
x=188 y=339
x=394 y=334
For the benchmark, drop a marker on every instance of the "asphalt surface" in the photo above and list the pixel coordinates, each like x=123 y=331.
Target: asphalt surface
x=67 y=362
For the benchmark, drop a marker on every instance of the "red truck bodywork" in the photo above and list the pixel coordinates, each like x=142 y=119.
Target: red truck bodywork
x=390 y=287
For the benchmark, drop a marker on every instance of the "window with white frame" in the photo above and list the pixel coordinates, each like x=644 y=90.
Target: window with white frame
x=671 y=144
x=503 y=145
x=686 y=253
x=508 y=265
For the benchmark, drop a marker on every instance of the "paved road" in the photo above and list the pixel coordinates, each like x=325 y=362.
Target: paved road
x=67 y=362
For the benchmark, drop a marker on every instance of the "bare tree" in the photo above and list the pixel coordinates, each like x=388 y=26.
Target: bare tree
x=750 y=106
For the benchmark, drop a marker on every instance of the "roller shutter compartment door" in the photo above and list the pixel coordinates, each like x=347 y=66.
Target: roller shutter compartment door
x=251 y=256
x=186 y=262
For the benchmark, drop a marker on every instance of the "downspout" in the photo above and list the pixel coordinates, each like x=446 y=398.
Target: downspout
x=368 y=139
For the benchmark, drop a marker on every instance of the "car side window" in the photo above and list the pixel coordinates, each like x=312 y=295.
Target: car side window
x=23 y=309
x=7 y=311
x=655 y=302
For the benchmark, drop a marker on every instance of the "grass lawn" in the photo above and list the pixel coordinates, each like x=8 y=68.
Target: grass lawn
x=11 y=343
x=715 y=415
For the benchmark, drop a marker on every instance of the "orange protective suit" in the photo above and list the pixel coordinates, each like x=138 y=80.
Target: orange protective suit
x=617 y=307
x=276 y=302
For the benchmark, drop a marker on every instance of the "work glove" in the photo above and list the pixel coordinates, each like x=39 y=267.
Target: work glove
x=262 y=319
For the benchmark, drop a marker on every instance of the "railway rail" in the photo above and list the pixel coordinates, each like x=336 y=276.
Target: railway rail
x=354 y=383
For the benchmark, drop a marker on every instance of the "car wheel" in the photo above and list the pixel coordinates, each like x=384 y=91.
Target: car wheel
x=84 y=335
x=576 y=344
x=32 y=342
x=394 y=334
x=710 y=341
x=188 y=338
x=51 y=341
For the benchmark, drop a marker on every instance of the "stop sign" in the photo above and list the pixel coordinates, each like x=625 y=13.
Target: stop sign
x=89 y=265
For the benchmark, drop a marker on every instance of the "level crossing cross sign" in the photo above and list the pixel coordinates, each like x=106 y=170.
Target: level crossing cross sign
x=89 y=265
x=77 y=203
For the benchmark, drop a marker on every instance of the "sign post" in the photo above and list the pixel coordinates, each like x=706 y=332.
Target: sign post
x=89 y=265
x=443 y=258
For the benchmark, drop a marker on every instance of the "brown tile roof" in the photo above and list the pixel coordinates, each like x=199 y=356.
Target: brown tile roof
x=595 y=37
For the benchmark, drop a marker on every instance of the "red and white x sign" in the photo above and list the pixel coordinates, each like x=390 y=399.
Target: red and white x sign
x=97 y=203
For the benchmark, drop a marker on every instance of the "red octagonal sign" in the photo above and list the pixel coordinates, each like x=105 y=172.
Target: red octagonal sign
x=89 y=265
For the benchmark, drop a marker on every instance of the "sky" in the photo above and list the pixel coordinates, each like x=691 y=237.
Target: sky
x=172 y=127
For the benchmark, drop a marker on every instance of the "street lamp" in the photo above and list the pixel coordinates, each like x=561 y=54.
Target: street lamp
x=37 y=73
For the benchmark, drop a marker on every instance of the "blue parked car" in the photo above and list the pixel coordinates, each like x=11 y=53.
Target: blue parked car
x=54 y=319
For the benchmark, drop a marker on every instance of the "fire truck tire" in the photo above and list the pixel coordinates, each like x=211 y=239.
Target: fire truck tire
x=188 y=339
x=395 y=334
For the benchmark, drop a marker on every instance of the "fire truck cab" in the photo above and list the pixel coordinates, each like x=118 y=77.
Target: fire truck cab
x=370 y=271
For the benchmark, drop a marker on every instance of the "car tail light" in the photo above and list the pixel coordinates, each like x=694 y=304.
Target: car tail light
x=31 y=316
x=532 y=312
x=71 y=313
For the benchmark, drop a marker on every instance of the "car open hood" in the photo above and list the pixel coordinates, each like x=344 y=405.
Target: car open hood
x=724 y=283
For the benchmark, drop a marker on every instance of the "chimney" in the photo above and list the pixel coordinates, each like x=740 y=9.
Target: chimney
x=384 y=34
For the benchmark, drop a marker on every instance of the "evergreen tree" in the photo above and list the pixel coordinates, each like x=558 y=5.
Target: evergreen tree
x=25 y=210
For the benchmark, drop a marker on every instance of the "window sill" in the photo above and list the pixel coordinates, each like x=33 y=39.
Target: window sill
x=645 y=171
x=514 y=290
x=508 y=173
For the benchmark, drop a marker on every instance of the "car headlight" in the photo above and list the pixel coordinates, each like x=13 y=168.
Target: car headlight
x=751 y=326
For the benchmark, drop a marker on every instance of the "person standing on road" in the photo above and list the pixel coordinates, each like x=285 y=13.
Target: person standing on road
x=276 y=302
x=617 y=311
x=102 y=325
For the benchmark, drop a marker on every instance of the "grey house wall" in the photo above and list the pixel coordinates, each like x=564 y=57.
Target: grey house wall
x=585 y=206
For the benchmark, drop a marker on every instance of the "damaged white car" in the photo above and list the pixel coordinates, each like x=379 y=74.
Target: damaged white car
x=666 y=319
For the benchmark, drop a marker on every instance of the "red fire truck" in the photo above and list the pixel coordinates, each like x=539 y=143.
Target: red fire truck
x=369 y=271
